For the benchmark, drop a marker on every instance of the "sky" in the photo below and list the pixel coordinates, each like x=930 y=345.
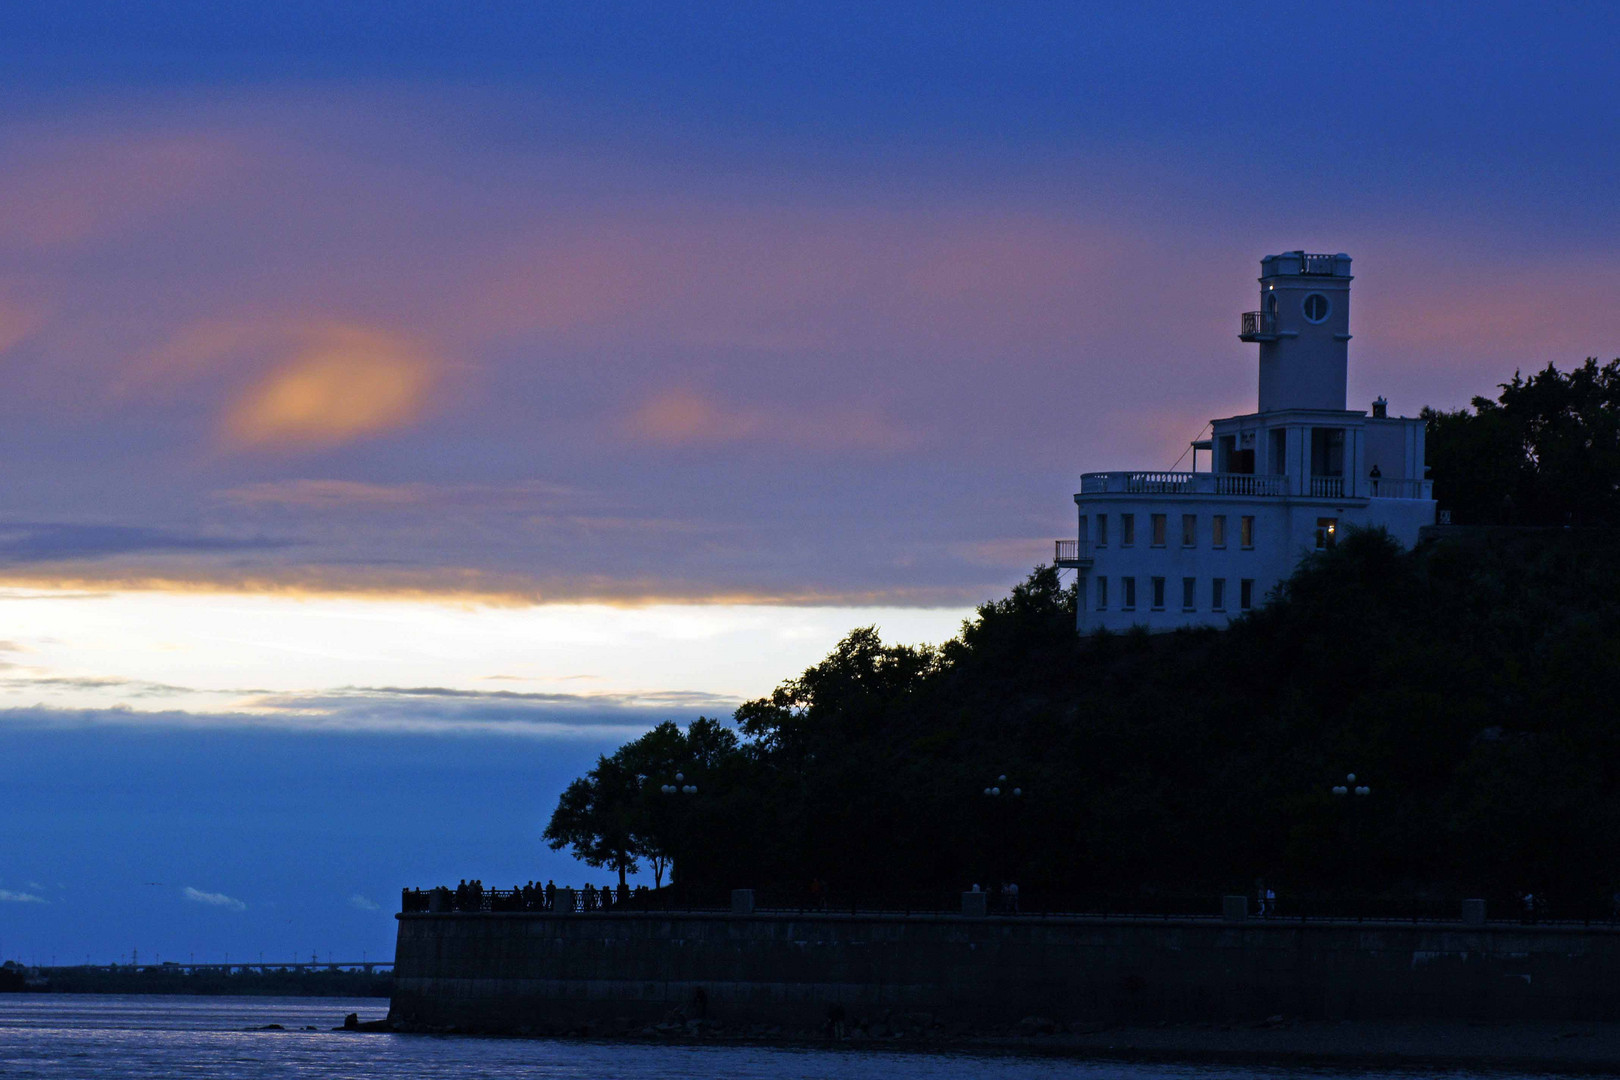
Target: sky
x=405 y=403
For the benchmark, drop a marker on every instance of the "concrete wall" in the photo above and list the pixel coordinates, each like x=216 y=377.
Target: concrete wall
x=496 y=971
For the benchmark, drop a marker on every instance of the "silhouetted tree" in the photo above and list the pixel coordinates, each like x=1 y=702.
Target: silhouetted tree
x=1546 y=452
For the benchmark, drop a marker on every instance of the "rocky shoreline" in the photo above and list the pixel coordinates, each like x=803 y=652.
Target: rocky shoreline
x=1585 y=1048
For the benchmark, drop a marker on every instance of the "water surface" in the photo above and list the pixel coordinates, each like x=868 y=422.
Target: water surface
x=89 y=1036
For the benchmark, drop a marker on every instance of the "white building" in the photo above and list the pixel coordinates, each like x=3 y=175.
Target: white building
x=1170 y=549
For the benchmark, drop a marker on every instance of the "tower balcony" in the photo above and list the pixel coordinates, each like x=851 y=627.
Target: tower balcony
x=1258 y=326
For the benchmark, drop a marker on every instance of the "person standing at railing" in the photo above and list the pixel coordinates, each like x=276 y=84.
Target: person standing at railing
x=551 y=894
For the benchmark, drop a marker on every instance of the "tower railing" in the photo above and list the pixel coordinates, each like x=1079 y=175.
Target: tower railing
x=1255 y=323
x=1318 y=264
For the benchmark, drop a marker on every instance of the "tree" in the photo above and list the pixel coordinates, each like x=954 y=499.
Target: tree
x=1546 y=452
x=616 y=814
x=597 y=815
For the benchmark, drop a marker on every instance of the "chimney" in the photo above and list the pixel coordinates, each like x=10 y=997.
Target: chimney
x=1380 y=408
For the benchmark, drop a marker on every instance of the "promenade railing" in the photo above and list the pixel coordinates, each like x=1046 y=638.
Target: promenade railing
x=1308 y=908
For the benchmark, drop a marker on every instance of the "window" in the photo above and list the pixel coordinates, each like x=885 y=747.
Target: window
x=1317 y=307
x=1102 y=530
x=1127 y=530
x=1102 y=594
x=1246 y=531
x=1189 y=530
x=1158 y=526
x=1327 y=533
x=1189 y=594
x=1158 y=594
x=1129 y=598
x=1245 y=594
x=1217 y=594
x=1217 y=531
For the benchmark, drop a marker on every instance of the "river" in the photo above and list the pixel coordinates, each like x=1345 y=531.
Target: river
x=82 y=1037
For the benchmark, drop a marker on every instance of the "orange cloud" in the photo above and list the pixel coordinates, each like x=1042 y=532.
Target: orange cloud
x=685 y=418
x=682 y=417
x=348 y=383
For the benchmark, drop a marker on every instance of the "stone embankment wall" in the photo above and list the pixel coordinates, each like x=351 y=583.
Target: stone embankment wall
x=539 y=971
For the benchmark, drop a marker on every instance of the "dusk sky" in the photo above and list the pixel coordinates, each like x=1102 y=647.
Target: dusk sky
x=405 y=404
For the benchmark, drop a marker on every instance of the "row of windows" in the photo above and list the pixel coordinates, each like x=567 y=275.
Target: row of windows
x=1189 y=594
x=1159 y=527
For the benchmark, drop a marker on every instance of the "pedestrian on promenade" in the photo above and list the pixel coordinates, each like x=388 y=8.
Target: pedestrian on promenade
x=551 y=894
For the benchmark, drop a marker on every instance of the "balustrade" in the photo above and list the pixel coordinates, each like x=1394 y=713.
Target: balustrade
x=1327 y=487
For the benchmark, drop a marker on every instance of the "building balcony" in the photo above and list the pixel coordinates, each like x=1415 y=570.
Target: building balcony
x=1181 y=483
x=1385 y=488
x=1072 y=554
x=1252 y=486
x=1258 y=326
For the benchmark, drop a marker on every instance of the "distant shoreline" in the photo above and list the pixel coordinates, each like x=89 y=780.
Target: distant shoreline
x=157 y=981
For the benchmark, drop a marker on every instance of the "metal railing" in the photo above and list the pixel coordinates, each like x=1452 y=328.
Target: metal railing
x=1071 y=552
x=1325 y=265
x=1257 y=323
x=1589 y=912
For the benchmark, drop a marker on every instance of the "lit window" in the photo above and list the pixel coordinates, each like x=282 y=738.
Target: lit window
x=1245 y=594
x=1189 y=530
x=1246 y=531
x=1130 y=594
x=1217 y=594
x=1102 y=530
x=1189 y=594
x=1157 y=523
x=1217 y=531
x=1327 y=533
x=1158 y=594
x=1102 y=594
x=1127 y=530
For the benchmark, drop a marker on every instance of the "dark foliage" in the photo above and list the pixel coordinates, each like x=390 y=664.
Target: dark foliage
x=1472 y=686
x=1546 y=452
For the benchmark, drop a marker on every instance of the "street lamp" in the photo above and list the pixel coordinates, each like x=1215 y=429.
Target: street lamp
x=1003 y=825
x=678 y=817
x=1351 y=787
x=995 y=790
x=679 y=787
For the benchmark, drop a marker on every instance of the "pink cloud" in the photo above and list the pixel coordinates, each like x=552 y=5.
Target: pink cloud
x=685 y=418
x=66 y=189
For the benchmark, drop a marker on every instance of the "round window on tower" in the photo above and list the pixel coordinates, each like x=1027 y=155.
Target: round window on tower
x=1317 y=307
